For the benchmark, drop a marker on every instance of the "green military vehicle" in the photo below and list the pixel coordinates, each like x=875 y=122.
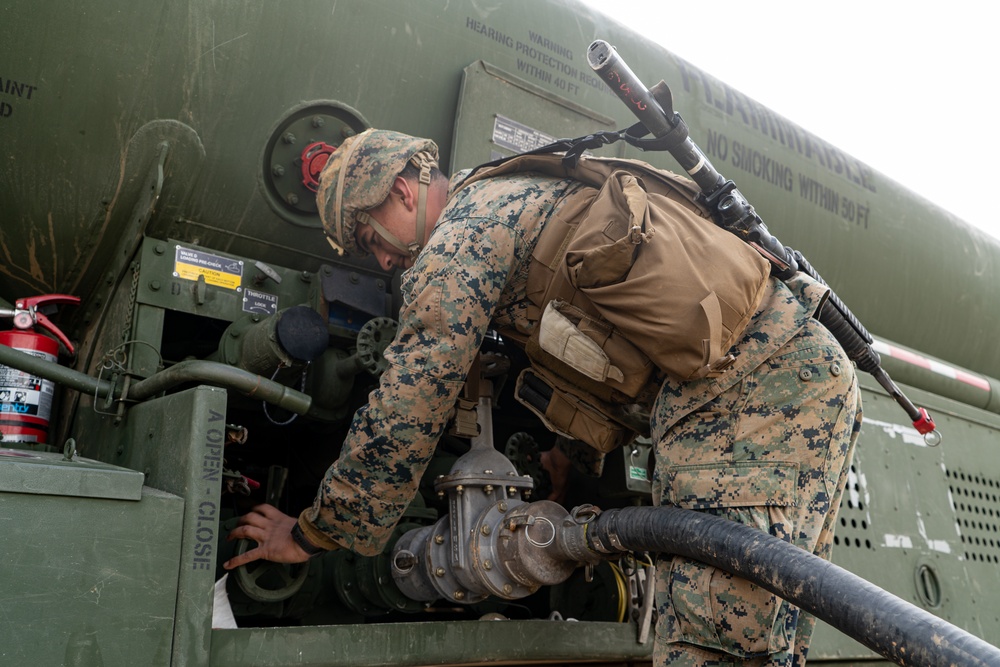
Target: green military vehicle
x=182 y=344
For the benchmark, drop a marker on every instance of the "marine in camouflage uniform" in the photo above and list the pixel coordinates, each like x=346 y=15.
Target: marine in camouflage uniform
x=769 y=445
x=472 y=272
x=766 y=444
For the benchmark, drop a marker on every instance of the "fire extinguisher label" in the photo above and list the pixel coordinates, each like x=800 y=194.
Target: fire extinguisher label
x=25 y=395
x=23 y=402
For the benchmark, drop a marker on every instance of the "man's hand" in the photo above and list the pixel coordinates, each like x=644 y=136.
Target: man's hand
x=271 y=529
x=557 y=464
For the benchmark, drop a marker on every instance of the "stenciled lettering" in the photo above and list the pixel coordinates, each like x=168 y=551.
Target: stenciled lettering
x=718 y=145
x=207 y=517
x=550 y=45
x=835 y=202
x=17 y=88
x=211 y=466
x=534 y=70
x=822 y=195
x=762 y=166
x=538 y=55
x=488 y=32
x=542 y=59
x=752 y=161
x=759 y=118
x=204 y=535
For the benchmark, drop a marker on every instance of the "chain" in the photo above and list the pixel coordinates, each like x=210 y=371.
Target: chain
x=302 y=387
x=115 y=360
x=127 y=326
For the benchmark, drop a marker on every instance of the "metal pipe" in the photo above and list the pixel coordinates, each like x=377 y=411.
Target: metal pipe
x=211 y=372
x=249 y=384
x=50 y=370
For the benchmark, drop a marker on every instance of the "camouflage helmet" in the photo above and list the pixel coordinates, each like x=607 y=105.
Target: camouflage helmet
x=358 y=177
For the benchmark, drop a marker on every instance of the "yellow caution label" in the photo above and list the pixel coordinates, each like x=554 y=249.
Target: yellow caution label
x=220 y=271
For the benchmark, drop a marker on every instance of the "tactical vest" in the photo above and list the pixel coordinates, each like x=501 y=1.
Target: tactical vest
x=630 y=278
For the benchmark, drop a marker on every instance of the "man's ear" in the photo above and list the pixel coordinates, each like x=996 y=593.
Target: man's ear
x=402 y=189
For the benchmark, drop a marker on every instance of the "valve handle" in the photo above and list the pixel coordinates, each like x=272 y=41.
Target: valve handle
x=32 y=302
x=26 y=314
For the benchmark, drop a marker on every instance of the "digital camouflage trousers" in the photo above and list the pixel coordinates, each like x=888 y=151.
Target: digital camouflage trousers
x=771 y=452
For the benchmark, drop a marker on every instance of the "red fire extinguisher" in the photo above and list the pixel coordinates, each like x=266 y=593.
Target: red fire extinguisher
x=26 y=400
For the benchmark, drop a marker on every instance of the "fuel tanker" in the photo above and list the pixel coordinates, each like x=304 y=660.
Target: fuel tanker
x=179 y=344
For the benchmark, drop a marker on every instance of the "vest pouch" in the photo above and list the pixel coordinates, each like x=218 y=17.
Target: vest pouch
x=587 y=345
x=615 y=227
x=675 y=285
x=567 y=414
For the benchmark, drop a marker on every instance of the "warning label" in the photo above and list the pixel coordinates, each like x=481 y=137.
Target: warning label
x=219 y=271
x=517 y=137
x=259 y=302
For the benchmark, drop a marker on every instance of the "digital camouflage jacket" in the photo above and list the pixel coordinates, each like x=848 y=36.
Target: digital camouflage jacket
x=472 y=274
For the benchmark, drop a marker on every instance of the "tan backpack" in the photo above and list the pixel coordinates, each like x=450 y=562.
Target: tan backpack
x=630 y=275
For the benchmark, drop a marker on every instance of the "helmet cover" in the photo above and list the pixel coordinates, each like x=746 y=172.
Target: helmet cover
x=358 y=177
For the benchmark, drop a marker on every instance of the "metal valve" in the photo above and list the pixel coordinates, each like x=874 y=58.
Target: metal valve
x=26 y=314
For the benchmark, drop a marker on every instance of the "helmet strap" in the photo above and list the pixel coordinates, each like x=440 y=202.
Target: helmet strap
x=422 y=188
x=412 y=249
x=365 y=218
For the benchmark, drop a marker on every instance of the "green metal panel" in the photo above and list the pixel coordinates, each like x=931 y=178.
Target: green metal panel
x=922 y=521
x=212 y=80
x=149 y=123
x=50 y=473
x=179 y=441
x=918 y=369
x=490 y=96
x=88 y=581
x=401 y=644
x=228 y=296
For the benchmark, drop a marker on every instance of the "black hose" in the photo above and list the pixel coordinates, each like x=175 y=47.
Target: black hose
x=894 y=628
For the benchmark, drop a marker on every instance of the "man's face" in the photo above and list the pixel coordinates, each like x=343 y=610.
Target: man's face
x=396 y=220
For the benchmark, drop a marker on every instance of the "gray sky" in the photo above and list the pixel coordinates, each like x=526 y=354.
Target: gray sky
x=907 y=87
